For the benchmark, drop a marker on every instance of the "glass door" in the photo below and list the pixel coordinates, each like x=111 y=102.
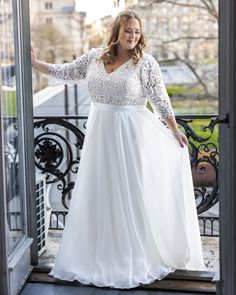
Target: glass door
x=16 y=159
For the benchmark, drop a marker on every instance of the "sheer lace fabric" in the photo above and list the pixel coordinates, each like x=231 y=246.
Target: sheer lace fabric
x=129 y=84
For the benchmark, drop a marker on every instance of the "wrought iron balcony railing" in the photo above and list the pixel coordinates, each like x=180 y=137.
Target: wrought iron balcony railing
x=58 y=145
x=59 y=140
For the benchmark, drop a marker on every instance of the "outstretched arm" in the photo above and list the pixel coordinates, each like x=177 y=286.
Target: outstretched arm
x=67 y=73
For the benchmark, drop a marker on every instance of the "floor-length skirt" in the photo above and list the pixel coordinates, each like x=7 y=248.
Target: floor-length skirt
x=132 y=216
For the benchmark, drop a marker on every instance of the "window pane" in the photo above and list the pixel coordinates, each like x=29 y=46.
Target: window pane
x=10 y=127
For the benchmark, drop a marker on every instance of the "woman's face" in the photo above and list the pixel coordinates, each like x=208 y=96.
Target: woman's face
x=129 y=34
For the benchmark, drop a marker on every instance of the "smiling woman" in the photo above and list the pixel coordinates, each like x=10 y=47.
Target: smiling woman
x=128 y=34
x=133 y=218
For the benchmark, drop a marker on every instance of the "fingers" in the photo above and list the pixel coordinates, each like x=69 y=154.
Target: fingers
x=185 y=140
x=33 y=53
x=182 y=139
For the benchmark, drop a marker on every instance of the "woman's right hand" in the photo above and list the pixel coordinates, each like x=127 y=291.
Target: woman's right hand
x=38 y=65
x=33 y=56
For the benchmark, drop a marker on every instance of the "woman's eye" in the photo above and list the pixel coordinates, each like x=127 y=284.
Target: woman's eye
x=129 y=32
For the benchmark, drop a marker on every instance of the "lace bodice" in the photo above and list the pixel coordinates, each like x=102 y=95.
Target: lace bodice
x=129 y=84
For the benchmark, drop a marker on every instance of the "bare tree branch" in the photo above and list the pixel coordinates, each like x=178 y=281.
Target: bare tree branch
x=188 y=64
x=206 y=5
x=193 y=70
x=203 y=8
x=210 y=8
x=174 y=2
x=186 y=38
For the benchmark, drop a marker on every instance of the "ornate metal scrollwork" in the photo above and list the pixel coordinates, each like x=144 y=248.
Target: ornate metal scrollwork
x=53 y=147
x=204 y=159
x=56 y=155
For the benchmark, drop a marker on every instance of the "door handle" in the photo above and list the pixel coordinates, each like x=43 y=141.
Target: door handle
x=225 y=120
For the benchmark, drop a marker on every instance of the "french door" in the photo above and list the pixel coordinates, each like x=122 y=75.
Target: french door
x=17 y=181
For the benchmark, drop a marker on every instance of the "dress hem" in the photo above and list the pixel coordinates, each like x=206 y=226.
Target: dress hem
x=137 y=282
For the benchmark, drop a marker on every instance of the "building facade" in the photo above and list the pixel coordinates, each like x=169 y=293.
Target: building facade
x=67 y=23
x=189 y=31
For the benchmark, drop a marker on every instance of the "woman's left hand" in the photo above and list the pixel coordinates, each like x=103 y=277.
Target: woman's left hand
x=181 y=137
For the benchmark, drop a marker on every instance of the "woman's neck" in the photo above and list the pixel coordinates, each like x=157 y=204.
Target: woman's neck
x=122 y=54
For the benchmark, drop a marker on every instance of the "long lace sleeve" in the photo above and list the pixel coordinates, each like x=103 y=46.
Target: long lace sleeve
x=70 y=73
x=154 y=88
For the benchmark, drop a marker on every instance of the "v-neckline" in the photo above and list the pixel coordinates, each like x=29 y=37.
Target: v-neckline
x=116 y=69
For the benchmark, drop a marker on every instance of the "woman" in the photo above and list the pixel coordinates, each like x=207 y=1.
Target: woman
x=132 y=216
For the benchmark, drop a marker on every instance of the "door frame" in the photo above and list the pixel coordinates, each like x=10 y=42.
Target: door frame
x=23 y=70
x=227 y=145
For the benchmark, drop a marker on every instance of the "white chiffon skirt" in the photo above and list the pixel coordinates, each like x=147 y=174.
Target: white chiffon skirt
x=132 y=216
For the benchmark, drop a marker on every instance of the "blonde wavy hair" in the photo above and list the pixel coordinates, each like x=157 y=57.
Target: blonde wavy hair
x=110 y=52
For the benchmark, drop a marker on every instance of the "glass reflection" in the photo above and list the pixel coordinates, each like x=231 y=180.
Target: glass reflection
x=9 y=114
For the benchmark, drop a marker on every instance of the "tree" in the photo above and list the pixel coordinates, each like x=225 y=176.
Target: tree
x=207 y=5
x=52 y=44
x=52 y=47
x=182 y=47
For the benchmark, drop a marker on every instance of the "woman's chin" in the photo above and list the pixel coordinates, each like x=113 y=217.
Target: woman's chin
x=130 y=46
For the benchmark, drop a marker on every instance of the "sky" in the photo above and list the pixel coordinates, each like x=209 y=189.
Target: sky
x=95 y=8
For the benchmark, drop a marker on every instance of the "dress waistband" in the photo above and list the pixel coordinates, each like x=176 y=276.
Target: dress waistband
x=117 y=107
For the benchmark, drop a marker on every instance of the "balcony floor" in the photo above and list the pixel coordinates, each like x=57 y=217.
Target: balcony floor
x=210 y=250
x=52 y=289
x=181 y=282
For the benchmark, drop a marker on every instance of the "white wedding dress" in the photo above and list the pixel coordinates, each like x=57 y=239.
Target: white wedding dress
x=132 y=216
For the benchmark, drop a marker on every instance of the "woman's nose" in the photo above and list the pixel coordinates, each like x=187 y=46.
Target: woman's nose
x=132 y=34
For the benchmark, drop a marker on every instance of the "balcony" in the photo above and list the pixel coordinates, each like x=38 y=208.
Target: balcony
x=58 y=145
